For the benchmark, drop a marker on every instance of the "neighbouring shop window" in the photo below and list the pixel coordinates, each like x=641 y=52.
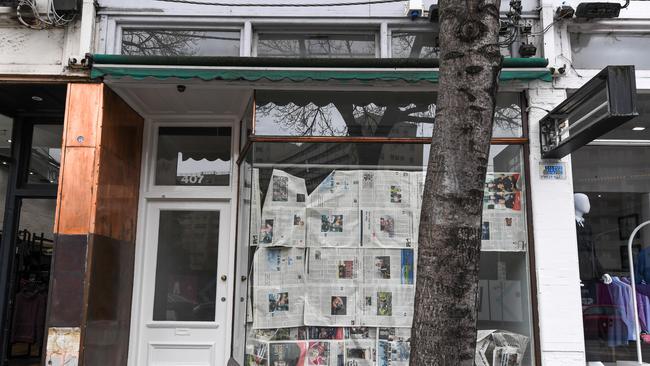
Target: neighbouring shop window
x=611 y=181
x=405 y=44
x=333 y=245
x=193 y=156
x=368 y=114
x=186 y=266
x=180 y=42
x=597 y=50
x=300 y=44
x=6 y=128
x=45 y=156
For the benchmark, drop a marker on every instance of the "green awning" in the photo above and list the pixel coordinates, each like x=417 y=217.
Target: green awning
x=277 y=69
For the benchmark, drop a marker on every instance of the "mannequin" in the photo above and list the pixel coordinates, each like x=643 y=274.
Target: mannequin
x=590 y=267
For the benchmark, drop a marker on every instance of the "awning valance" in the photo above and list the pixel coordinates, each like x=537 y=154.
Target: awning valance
x=277 y=69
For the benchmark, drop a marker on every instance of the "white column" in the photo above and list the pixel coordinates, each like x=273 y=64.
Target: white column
x=556 y=252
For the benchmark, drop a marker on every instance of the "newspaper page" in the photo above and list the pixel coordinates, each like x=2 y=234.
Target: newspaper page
x=279 y=266
x=417 y=182
x=388 y=266
x=383 y=188
x=278 y=290
x=283 y=215
x=504 y=221
x=339 y=189
x=388 y=228
x=393 y=347
x=256 y=207
x=333 y=227
x=387 y=306
x=331 y=305
x=499 y=347
x=278 y=306
x=333 y=265
x=256 y=353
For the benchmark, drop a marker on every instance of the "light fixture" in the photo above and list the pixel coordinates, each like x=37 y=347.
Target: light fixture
x=605 y=102
x=31 y=173
x=4 y=163
x=36 y=98
x=9 y=140
x=600 y=10
x=638 y=128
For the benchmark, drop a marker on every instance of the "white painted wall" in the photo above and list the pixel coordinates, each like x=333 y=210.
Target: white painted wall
x=25 y=51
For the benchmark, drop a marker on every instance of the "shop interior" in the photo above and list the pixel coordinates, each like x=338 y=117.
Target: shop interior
x=611 y=179
x=31 y=126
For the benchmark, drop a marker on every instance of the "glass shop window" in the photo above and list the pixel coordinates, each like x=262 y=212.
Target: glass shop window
x=611 y=180
x=408 y=44
x=367 y=114
x=193 y=156
x=597 y=50
x=180 y=42
x=45 y=156
x=317 y=45
x=333 y=245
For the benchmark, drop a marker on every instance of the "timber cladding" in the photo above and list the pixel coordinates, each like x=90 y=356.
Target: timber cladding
x=95 y=221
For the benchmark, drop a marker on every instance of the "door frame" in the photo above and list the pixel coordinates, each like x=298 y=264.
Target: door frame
x=149 y=193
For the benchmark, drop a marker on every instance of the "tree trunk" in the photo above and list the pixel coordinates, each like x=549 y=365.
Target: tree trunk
x=444 y=324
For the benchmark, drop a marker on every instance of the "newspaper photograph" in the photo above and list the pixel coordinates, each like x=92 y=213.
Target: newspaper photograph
x=278 y=266
x=387 y=306
x=285 y=190
x=287 y=353
x=332 y=227
x=328 y=353
x=283 y=226
x=383 y=188
x=388 y=266
x=339 y=189
x=331 y=305
x=332 y=265
x=388 y=228
x=360 y=333
x=360 y=352
x=278 y=334
x=278 y=307
x=504 y=221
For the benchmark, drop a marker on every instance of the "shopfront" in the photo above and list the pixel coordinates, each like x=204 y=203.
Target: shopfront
x=277 y=220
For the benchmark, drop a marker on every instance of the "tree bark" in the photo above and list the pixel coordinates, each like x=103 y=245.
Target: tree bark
x=444 y=324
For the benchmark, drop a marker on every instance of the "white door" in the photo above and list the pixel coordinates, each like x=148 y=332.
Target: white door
x=184 y=292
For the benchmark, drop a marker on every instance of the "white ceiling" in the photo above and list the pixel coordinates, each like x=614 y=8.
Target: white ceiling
x=162 y=98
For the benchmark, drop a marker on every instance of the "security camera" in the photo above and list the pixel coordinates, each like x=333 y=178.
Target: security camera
x=414 y=9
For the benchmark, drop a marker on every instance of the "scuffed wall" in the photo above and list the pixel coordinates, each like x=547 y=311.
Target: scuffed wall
x=63 y=346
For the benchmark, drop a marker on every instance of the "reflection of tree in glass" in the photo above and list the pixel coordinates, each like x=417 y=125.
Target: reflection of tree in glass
x=414 y=45
x=157 y=42
x=314 y=46
x=360 y=120
x=507 y=120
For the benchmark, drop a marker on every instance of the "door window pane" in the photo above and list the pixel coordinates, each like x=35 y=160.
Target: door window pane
x=170 y=42
x=186 y=266
x=193 y=156
x=45 y=157
x=316 y=45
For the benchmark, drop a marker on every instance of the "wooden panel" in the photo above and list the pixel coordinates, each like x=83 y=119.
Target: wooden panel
x=75 y=191
x=82 y=114
x=118 y=178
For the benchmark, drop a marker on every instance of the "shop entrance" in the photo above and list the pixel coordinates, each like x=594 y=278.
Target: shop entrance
x=185 y=248
x=31 y=126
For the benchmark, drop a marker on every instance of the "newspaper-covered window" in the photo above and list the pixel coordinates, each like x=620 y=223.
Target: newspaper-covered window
x=333 y=244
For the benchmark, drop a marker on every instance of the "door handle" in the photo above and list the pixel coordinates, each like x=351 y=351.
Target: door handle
x=224 y=277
